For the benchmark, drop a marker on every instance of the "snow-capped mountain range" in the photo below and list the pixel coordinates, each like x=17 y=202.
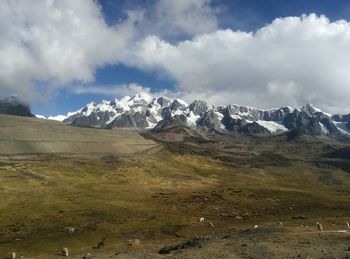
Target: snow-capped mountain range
x=143 y=111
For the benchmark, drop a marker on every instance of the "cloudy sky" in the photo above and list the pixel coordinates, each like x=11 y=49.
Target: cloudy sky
x=59 y=55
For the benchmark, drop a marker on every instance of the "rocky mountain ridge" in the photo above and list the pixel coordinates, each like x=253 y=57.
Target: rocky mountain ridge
x=143 y=111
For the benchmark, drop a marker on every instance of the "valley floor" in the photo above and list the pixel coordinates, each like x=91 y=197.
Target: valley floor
x=159 y=195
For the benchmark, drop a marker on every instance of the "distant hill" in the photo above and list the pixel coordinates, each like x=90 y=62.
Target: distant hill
x=22 y=135
x=12 y=106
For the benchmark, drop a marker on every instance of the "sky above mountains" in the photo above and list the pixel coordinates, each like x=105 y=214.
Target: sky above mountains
x=60 y=55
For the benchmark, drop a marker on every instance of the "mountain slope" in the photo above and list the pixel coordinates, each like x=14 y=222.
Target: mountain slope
x=19 y=135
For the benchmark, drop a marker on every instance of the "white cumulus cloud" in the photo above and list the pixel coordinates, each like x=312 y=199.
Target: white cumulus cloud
x=111 y=91
x=121 y=90
x=47 y=44
x=291 y=61
x=54 y=44
x=190 y=17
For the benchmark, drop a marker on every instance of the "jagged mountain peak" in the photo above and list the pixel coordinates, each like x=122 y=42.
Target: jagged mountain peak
x=143 y=96
x=199 y=107
x=178 y=104
x=311 y=109
x=162 y=101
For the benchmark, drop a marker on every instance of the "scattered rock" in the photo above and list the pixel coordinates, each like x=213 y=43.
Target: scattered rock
x=299 y=217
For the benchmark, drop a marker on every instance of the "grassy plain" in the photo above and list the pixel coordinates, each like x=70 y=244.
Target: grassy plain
x=157 y=194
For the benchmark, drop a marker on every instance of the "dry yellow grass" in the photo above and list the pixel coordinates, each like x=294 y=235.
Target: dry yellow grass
x=21 y=135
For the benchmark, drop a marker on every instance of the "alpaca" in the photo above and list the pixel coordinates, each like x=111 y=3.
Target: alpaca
x=65 y=251
x=319 y=226
x=136 y=243
x=70 y=230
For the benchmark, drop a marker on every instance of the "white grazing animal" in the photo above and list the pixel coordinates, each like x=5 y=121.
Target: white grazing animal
x=255 y=226
x=201 y=220
x=319 y=226
x=13 y=255
x=347 y=224
x=70 y=230
x=136 y=243
x=65 y=251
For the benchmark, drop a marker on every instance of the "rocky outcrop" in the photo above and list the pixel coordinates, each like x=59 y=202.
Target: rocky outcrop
x=195 y=242
x=136 y=120
x=171 y=123
x=343 y=119
x=97 y=119
x=163 y=102
x=311 y=121
x=254 y=129
x=198 y=107
x=178 y=105
x=210 y=120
